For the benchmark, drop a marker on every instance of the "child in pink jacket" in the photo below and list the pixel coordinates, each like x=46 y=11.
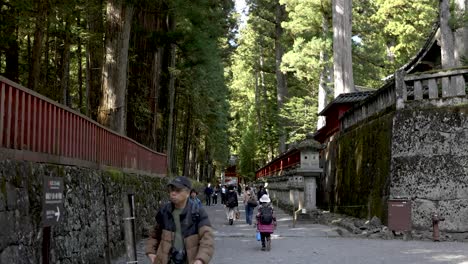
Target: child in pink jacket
x=266 y=221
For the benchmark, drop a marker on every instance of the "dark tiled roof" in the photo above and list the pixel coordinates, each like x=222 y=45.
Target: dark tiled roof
x=347 y=98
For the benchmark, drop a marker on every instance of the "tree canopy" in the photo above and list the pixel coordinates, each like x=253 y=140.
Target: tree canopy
x=189 y=81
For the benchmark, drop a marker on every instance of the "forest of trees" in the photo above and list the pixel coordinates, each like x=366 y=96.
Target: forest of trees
x=187 y=78
x=299 y=34
x=149 y=69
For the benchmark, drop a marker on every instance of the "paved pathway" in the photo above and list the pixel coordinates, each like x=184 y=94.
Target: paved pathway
x=312 y=243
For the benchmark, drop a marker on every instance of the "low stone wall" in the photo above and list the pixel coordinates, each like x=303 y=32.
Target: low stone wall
x=430 y=164
x=287 y=193
x=92 y=227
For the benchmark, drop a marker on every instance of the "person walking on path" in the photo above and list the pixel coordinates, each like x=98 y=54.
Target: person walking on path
x=208 y=192
x=215 y=195
x=183 y=232
x=194 y=198
x=261 y=192
x=250 y=202
x=266 y=221
x=231 y=204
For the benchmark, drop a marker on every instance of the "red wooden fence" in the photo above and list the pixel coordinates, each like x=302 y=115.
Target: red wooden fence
x=285 y=161
x=35 y=128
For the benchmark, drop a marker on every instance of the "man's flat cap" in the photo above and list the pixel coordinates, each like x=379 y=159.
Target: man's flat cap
x=181 y=182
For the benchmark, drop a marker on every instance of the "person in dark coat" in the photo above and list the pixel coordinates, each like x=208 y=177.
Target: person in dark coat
x=215 y=195
x=261 y=192
x=208 y=192
x=231 y=204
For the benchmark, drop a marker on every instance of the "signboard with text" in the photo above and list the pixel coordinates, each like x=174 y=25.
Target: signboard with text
x=52 y=201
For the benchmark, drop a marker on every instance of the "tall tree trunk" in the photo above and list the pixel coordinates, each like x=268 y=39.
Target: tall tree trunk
x=29 y=59
x=257 y=102
x=156 y=86
x=206 y=161
x=186 y=143
x=324 y=90
x=35 y=70
x=263 y=90
x=45 y=76
x=194 y=159
x=170 y=131
x=88 y=84
x=454 y=85
x=281 y=86
x=194 y=152
x=80 y=71
x=55 y=82
x=112 y=109
x=342 y=58
x=461 y=33
x=95 y=56
x=447 y=45
x=64 y=80
x=12 y=50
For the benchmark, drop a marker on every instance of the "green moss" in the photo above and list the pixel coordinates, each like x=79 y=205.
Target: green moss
x=363 y=168
x=61 y=171
x=116 y=176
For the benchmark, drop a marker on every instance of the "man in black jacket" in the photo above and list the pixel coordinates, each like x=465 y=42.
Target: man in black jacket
x=208 y=192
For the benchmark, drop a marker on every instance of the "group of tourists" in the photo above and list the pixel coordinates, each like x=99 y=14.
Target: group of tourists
x=212 y=194
x=265 y=217
x=183 y=232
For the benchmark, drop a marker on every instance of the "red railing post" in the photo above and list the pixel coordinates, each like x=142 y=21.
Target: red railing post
x=8 y=117
x=27 y=132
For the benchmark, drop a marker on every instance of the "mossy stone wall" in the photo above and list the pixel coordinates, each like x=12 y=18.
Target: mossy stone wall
x=362 y=175
x=430 y=163
x=91 y=230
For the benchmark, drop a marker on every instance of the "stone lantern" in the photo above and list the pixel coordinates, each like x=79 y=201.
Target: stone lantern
x=310 y=170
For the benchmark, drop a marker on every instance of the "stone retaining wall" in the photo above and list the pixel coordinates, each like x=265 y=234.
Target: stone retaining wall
x=357 y=169
x=92 y=227
x=430 y=164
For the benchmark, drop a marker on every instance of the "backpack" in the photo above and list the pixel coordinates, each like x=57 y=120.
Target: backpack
x=252 y=201
x=195 y=212
x=266 y=215
x=231 y=200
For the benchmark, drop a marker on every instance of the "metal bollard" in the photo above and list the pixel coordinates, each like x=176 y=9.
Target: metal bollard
x=435 y=226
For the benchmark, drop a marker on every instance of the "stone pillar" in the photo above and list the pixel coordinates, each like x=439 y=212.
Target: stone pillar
x=310 y=192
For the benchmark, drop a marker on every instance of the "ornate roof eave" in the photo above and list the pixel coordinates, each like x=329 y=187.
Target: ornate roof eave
x=408 y=67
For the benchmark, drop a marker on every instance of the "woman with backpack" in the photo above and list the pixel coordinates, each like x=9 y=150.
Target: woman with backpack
x=266 y=221
x=250 y=202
